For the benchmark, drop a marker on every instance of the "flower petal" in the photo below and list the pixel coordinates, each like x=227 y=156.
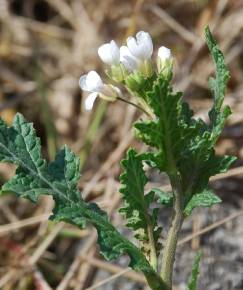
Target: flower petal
x=109 y=53
x=164 y=53
x=89 y=101
x=94 y=82
x=133 y=46
x=82 y=83
x=144 y=40
x=130 y=62
x=142 y=46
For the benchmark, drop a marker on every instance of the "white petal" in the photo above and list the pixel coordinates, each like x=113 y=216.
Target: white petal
x=142 y=46
x=124 y=51
x=94 y=82
x=127 y=59
x=91 y=82
x=164 y=53
x=109 y=53
x=115 y=51
x=133 y=46
x=82 y=83
x=144 y=39
x=89 y=101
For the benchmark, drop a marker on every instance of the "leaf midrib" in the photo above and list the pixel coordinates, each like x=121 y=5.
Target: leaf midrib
x=32 y=172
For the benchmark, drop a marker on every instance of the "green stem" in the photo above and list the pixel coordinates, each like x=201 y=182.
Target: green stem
x=153 y=254
x=133 y=104
x=154 y=281
x=169 y=251
x=172 y=237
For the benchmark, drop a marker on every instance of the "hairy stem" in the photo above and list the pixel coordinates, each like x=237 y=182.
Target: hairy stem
x=172 y=237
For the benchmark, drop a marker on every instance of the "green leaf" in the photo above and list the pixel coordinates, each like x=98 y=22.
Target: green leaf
x=217 y=114
x=202 y=163
x=19 y=145
x=65 y=174
x=199 y=160
x=168 y=131
x=149 y=132
x=183 y=145
x=192 y=284
x=206 y=199
x=136 y=207
x=164 y=198
x=218 y=84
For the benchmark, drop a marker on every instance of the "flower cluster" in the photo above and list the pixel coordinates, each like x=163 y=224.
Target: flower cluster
x=135 y=57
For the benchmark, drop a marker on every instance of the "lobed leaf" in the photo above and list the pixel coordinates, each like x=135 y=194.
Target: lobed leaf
x=136 y=208
x=218 y=84
x=168 y=130
x=201 y=162
x=206 y=198
x=19 y=145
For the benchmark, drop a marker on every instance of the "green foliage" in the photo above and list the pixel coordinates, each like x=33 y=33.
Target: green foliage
x=165 y=132
x=34 y=177
x=218 y=84
x=138 y=84
x=206 y=198
x=183 y=145
x=192 y=284
x=164 y=198
x=180 y=146
x=136 y=207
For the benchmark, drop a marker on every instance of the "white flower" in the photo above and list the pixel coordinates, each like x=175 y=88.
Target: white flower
x=109 y=53
x=93 y=83
x=164 y=53
x=142 y=46
x=137 y=54
x=130 y=62
x=89 y=101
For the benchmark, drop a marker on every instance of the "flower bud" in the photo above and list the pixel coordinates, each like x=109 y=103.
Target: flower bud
x=164 y=53
x=164 y=60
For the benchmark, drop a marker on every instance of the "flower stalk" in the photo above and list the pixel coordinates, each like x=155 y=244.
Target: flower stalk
x=134 y=105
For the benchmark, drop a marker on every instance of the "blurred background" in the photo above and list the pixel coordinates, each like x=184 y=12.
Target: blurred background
x=45 y=45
